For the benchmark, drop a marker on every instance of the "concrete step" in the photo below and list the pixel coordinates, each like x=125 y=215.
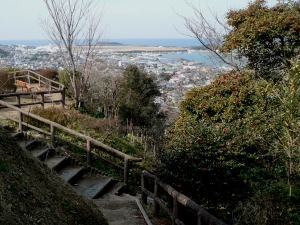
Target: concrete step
x=17 y=135
x=91 y=187
x=41 y=153
x=112 y=197
x=122 y=216
x=127 y=222
x=32 y=144
x=55 y=162
x=120 y=210
x=22 y=143
x=117 y=189
x=71 y=173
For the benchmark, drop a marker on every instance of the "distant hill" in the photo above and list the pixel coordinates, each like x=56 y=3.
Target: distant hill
x=110 y=43
x=197 y=47
x=30 y=193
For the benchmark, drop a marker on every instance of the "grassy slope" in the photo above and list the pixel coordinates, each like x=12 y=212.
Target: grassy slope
x=30 y=193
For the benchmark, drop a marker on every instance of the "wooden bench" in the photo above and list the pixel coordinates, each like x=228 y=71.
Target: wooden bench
x=46 y=96
x=23 y=84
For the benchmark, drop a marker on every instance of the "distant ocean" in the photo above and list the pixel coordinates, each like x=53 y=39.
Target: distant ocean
x=179 y=42
x=202 y=57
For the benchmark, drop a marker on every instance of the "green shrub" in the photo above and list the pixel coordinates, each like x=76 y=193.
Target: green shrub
x=219 y=152
x=271 y=205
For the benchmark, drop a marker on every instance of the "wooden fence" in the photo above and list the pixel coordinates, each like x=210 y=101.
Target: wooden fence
x=203 y=217
x=32 y=78
x=55 y=126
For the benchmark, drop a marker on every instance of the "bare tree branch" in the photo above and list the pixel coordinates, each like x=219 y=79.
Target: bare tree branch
x=74 y=26
x=209 y=35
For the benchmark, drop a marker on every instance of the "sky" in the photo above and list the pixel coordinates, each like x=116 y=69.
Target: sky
x=122 y=18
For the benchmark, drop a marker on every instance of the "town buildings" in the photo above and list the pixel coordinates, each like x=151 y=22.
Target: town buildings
x=174 y=76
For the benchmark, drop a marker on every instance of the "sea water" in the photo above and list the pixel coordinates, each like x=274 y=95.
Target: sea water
x=178 y=42
x=203 y=56
x=167 y=42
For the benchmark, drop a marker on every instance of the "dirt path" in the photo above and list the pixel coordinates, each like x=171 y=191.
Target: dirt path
x=10 y=113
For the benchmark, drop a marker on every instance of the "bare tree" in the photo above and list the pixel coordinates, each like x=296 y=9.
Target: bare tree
x=210 y=34
x=74 y=26
x=107 y=92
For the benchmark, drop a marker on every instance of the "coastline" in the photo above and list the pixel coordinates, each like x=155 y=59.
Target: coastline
x=179 y=42
x=139 y=48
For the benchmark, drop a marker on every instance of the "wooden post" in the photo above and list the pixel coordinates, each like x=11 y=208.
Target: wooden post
x=199 y=219
x=143 y=195
x=63 y=97
x=20 y=122
x=175 y=210
x=88 y=154
x=15 y=79
x=156 y=205
x=20 y=114
x=126 y=170
x=43 y=103
x=53 y=143
x=28 y=77
x=19 y=101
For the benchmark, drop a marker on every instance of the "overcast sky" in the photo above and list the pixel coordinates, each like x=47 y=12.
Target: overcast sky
x=19 y=19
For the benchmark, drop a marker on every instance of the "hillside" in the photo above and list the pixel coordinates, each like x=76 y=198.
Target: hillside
x=30 y=193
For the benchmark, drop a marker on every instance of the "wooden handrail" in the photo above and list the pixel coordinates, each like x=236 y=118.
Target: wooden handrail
x=31 y=94
x=40 y=79
x=204 y=217
x=54 y=126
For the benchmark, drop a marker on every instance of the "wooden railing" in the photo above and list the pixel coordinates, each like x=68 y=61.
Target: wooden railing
x=34 y=99
x=203 y=217
x=32 y=78
x=55 y=126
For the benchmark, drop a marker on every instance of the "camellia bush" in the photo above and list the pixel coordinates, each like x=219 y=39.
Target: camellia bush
x=219 y=151
x=268 y=37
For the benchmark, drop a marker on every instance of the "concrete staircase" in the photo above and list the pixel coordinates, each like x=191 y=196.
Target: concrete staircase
x=120 y=210
x=117 y=207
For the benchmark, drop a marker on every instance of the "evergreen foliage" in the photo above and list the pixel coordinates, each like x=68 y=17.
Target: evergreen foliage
x=288 y=141
x=267 y=36
x=221 y=153
x=138 y=90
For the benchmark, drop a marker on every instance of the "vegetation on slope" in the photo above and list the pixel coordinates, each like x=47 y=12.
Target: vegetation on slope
x=235 y=147
x=108 y=131
x=268 y=37
x=30 y=193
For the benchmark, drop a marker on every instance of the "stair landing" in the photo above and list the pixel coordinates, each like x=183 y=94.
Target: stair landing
x=120 y=210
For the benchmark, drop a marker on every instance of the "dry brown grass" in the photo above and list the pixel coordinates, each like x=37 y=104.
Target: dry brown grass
x=71 y=118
